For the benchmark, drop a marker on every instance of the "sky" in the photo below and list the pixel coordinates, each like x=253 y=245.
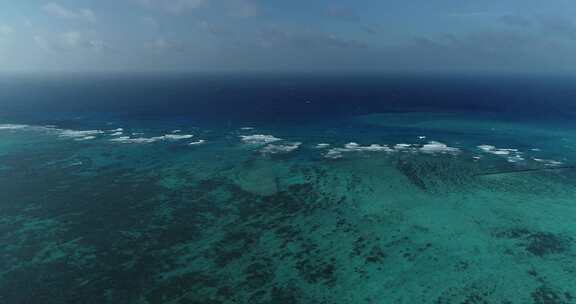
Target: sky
x=294 y=35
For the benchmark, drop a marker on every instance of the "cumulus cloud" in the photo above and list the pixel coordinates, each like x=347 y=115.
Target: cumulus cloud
x=57 y=10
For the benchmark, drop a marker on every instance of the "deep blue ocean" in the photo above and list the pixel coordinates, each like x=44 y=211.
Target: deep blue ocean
x=255 y=98
x=287 y=188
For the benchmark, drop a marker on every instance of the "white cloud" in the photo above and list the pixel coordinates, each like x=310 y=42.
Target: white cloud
x=6 y=30
x=161 y=44
x=42 y=42
x=235 y=8
x=68 y=41
x=60 y=11
x=72 y=39
x=173 y=6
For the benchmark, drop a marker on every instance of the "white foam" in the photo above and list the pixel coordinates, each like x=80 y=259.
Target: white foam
x=486 y=148
x=148 y=140
x=515 y=159
x=434 y=147
x=175 y=137
x=176 y=131
x=117 y=134
x=247 y=128
x=138 y=140
x=354 y=147
x=116 y=130
x=79 y=134
x=198 y=142
x=12 y=127
x=280 y=149
x=335 y=153
x=421 y=137
x=259 y=139
x=402 y=146
x=512 y=155
x=549 y=162
x=85 y=138
x=322 y=146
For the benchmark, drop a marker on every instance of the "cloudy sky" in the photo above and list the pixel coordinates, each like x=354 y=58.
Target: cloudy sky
x=295 y=35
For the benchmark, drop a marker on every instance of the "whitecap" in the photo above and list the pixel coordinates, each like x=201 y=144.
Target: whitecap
x=85 y=138
x=79 y=134
x=514 y=153
x=198 y=142
x=355 y=147
x=549 y=162
x=175 y=137
x=433 y=147
x=402 y=146
x=148 y=140
x=12 y=127
x=335 y=153
x=138 y=140
x=322 y=146
x=259 y=139
x=280 y=149
x=515 y=159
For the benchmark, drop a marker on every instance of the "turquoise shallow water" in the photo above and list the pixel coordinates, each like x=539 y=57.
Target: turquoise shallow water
x=381 y=208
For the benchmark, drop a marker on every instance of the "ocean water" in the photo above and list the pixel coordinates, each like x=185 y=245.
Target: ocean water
x=287 y=189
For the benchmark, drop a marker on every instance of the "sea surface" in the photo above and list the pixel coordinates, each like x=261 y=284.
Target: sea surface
x=206 y=189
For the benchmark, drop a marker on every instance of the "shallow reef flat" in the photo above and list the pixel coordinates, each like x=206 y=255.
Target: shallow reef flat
x=228 y=221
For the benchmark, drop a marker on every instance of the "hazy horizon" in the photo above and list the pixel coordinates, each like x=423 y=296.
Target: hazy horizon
x=256 y=36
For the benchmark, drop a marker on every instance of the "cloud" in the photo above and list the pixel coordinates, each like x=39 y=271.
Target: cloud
x=162 y=44
x=150 y=23
x=558 y=26
x=516 y=20
x=173 y=6
x=242 y=8
x=231 y=8
x=345 y=14
x=6 y=30
x=60 y=11
x=41 y=42
x=69 y=40
x=272 y=37
x=215 y=30
x=372 y=29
